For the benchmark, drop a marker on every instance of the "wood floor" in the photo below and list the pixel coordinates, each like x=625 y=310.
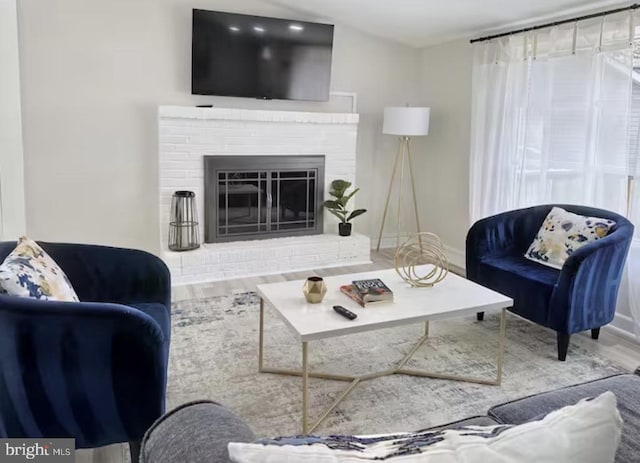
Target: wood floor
x=618 y=349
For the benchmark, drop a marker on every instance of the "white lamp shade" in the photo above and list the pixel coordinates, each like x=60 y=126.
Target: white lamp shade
x=406 y=121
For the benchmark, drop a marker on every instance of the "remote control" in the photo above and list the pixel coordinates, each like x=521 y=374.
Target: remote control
x=344 y=312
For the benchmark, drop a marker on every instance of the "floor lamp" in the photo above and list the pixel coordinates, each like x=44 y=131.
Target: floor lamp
x=405 y=122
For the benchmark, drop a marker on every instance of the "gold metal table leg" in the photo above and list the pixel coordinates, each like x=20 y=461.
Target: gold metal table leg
x=503 y=332
x=333 y=405
x=305 y=387
x=311 y=374
x=355 y=380
x=467 y=379
x=407 y=357
x=261 y=337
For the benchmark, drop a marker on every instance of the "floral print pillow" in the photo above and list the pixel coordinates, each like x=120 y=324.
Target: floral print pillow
x=561 y=233
x=28 y=271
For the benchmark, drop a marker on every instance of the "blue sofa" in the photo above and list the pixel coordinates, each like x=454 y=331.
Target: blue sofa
x=581 y=296
x=94 y=370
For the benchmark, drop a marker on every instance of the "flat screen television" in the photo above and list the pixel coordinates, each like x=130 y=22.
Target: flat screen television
x=260 y=57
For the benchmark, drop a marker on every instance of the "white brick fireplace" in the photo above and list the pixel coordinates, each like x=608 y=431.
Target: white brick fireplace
x=187 y=134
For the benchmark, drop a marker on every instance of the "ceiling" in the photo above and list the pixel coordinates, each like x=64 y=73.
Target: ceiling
x=419 y=23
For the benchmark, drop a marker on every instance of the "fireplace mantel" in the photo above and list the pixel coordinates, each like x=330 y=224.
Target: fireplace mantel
x=187 y=134
x=256 y=115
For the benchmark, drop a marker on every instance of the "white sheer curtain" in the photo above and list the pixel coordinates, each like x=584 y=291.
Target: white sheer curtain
x=633 y=263
x=551 y=123
x=500 y=82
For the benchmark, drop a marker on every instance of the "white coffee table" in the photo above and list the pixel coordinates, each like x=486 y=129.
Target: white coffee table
x=453 y=297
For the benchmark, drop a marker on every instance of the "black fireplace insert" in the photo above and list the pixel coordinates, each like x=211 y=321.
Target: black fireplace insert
x=256 y=197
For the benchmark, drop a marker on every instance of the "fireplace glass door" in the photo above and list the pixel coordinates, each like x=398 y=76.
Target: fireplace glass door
x=263 y=196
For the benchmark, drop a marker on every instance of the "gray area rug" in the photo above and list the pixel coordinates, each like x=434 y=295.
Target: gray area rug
x=214 y=355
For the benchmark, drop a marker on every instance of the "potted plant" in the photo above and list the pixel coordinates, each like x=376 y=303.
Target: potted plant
x=338 y=206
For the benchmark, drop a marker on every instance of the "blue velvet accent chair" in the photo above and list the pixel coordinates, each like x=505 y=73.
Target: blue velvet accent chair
x=94 y=370
x=581 y=296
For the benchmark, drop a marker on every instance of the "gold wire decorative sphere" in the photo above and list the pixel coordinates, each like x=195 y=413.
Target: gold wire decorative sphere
x=422 y=248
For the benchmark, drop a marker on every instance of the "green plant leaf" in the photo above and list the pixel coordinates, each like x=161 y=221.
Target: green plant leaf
x=339 y=214
x=340 y=185
x=349 y=196
x=331 y=204
x=355 y=214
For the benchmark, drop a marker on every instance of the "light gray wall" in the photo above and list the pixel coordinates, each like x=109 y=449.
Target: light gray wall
x=12 y=207
x=93 y=74
x=443 y=156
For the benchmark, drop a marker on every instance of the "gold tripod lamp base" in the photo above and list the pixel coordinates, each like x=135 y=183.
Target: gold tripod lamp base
x=405 y=122
x=403 y=156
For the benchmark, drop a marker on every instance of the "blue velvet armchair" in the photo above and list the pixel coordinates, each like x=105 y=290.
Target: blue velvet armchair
x=579 y=297
x=94 y=370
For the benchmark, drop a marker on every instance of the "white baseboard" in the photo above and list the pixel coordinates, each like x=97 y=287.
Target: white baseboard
x=388 y=241
x=455 y=256
x=622 y=325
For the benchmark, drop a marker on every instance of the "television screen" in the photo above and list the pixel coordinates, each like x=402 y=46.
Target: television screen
x=259 y=57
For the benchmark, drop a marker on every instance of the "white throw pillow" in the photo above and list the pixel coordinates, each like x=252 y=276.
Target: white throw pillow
x=588 y=432
x=28 y=271
x=561 y=233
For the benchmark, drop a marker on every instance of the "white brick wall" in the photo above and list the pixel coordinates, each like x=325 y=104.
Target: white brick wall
x=187 y=134
x=222 y=261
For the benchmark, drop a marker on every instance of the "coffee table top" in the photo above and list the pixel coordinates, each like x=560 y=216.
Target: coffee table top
x=454 y=296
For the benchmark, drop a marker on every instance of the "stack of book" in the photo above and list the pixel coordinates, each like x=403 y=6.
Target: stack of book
x=367 y=291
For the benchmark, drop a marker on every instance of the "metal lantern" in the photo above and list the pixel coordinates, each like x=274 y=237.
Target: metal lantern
x=183 y=225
